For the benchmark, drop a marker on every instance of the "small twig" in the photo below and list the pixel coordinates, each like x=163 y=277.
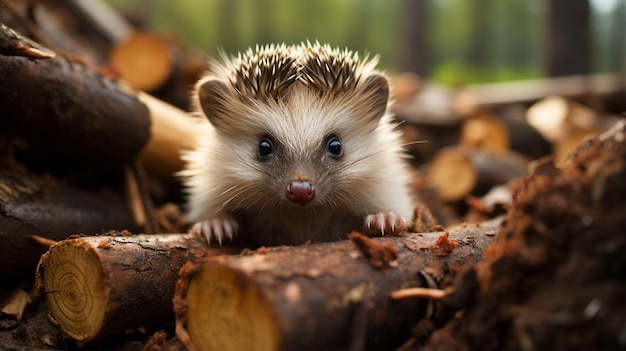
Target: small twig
x=422 y=293
x=32 y=53
x=139 y=198
x=134 y=197
x=43 y=241
x=15 y=45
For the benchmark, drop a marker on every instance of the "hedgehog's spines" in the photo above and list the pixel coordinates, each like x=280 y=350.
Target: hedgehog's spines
x=267 y=72
x=330 y=70
x=264 y=72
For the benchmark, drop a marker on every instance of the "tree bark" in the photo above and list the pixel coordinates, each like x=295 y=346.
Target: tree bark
x=65 y=107
x=317 y=297
x=31 y=205
x=102 y=286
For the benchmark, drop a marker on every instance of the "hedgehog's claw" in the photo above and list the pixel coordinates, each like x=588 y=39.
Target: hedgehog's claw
x=216 y=229
x=385 y=223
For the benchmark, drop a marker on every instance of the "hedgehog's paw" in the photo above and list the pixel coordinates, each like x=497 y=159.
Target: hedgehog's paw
x=216 y=229
x=385 y=223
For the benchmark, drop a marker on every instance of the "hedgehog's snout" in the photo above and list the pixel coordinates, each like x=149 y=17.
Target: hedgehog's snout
x=300 y=191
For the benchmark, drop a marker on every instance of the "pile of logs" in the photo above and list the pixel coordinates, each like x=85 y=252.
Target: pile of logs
x=89 y=156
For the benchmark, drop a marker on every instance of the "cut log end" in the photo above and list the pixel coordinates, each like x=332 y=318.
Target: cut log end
x=143 y=60
x=226 y=311
x=486 y=132
x=76 y=290
x=457 y=172
x=452 y=174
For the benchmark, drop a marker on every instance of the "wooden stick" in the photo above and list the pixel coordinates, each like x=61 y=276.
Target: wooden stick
x=424 y=293
x=303 y=298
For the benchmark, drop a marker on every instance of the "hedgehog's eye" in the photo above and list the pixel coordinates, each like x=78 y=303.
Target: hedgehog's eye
x=266 y=148
x=333 y=148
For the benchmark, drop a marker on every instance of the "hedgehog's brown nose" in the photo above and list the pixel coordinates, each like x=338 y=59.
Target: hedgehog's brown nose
x=300 y=192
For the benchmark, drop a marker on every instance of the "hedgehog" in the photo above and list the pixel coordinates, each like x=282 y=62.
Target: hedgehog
x=300 y=147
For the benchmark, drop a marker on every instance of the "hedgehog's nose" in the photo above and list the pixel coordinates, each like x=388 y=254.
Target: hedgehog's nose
x=300 y=192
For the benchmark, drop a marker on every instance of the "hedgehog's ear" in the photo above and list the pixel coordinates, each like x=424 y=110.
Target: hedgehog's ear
x=213 y=94
x=376 y=89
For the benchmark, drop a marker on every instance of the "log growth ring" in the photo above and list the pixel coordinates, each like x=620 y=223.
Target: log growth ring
x=76 y=291
x=233 y=314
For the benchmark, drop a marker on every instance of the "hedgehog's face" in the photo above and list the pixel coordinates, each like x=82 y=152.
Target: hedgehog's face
x=300 y=124
x=305 y=150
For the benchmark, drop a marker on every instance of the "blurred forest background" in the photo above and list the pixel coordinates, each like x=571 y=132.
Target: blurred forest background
x=452 y=42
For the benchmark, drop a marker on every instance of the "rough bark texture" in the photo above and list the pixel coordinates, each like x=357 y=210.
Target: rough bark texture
x=31 y=205
x=317 y=297
x=102 y=286
x=555 y=276
x=67 y=108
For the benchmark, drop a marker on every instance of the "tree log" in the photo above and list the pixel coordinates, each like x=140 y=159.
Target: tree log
x=457 y=172
x=485 y=131
x=31 y=205
x=566 y=123
x=102 y=286
x=143 y=60
x=172 y=131
x=66 y=108
x=501 y=133
x=316 y=297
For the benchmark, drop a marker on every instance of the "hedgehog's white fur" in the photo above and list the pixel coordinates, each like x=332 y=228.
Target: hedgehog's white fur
x=299 y=110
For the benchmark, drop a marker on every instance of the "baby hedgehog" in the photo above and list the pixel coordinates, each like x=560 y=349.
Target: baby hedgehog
x=299 y=148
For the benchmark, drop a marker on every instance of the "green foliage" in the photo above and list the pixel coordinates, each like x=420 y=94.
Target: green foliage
x=457 y=72
x=469 y=41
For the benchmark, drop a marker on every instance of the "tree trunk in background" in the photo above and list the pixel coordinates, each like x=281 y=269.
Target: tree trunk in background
x=479 y=53
x=413 y=51
x=569 y=37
